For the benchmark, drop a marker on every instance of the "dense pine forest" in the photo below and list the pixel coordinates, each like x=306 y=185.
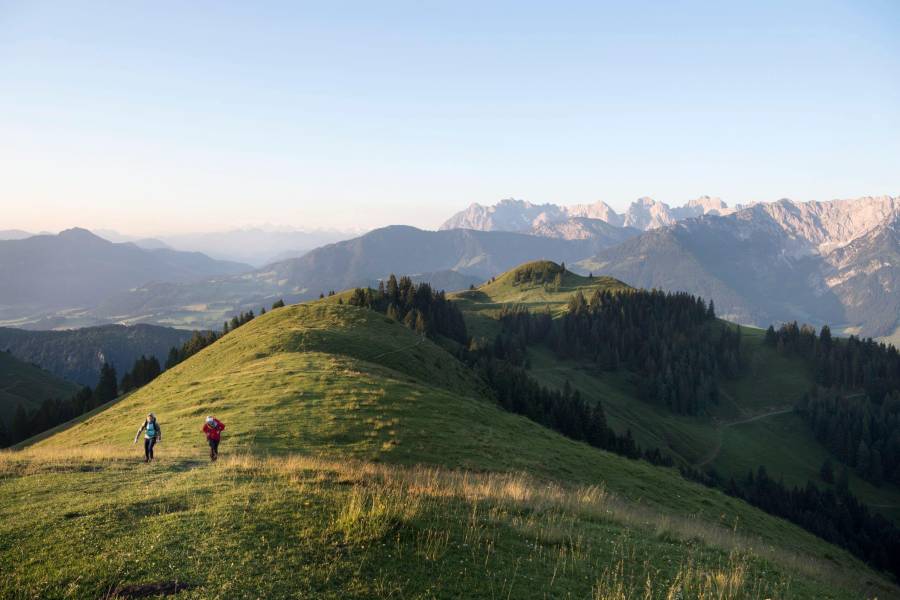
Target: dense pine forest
x=847 y=364
x=861 y=433
x=835 y=515
x=672 y=340
x=855 y=409
x=417 y=306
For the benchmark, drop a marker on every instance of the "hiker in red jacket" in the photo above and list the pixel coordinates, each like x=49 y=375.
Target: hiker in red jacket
x=213 y=430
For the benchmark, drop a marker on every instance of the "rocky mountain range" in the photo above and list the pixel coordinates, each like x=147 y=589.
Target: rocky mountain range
x=818 y=262
x=832 y=262
x=524 y=217
x=829 y=262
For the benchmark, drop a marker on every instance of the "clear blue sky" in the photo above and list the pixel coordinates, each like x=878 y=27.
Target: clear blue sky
x=173 y=116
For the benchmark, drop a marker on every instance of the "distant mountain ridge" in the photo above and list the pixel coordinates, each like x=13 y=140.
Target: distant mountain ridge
x=448 y=259
x=834 y=262
x=77 y=270
x=524 y=217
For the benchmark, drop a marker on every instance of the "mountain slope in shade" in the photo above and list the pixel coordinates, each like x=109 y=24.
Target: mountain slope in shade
x=865 y=276
x=407 y=250
x=78 y=354
x=79 y=269
x=14 y=234
x=28 y=385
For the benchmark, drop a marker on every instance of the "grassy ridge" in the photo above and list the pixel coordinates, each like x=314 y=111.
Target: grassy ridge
x=481 y=306
x=325 y=384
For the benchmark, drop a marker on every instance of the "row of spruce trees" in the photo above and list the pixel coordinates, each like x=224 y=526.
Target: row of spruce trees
x=854 y=410
x=565 y=411
x=833 y=514
x=417 y=306
x=672 y=340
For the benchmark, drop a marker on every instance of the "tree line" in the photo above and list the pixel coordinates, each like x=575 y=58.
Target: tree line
x=510 y=386
x=835 y=515
x=672 y=340
x=546 y=273
x=854 y=410
x=850 y=364
x=863 y=434
x=565 y=411
x=55 y=411
x=417 y=306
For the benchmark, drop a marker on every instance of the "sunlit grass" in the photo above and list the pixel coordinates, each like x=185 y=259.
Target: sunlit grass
x=338 y=526
x=362 y=461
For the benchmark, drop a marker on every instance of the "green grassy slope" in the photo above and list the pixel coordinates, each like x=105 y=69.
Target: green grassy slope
x=344 y=383
x=747 y=429
x=28 y=385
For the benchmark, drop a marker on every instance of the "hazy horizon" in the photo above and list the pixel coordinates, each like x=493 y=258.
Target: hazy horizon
x=288 y=228
x=360 y=116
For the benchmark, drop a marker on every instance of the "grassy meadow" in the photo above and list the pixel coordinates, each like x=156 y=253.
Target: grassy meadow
x=299 y=526
x=361 y=460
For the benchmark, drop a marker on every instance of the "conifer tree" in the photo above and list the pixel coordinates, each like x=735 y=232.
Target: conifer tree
x=107 y=387
x=5 y=439
x=863 y=458
x=21 y=428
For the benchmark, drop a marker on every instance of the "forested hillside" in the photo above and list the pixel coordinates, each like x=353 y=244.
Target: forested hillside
x=78 y=354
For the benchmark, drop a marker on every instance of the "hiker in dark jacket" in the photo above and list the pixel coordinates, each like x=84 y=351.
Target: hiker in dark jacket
x=152 y=435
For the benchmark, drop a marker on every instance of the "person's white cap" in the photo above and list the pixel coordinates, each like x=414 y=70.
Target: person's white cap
x=209 y=419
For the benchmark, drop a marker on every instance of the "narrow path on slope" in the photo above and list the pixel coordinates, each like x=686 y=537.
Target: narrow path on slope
x=721 y=428
x=403 y=349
